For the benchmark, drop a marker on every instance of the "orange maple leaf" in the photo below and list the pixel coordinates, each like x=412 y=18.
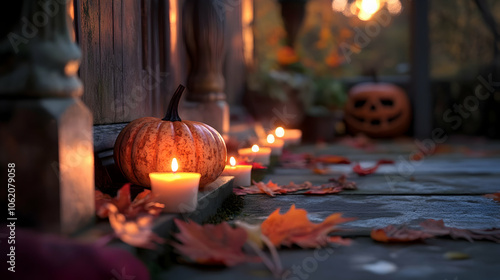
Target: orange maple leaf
x=494 y=196
x=294 y=227
x=143 y=203
x=393 y=234
x=212 y=244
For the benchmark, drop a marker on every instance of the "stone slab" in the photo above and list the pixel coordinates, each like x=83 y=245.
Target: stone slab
x=365 y=259
x=474 y=212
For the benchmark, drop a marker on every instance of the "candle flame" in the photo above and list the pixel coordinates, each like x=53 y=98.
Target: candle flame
x=232 y=161
x=255 y=148
x=280 y=132
x=270 y=138
x=175 y=165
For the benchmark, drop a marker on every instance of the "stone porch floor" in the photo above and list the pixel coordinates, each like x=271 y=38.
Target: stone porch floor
x=446 y=186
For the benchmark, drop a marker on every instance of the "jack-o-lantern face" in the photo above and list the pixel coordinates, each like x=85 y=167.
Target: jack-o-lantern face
x=378 y=110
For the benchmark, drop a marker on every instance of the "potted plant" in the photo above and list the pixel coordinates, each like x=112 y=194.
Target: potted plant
x=323 y=118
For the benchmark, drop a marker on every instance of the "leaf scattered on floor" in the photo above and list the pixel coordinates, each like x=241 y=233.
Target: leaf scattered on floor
x=394 y=234
x=272 y=189
x=211 y=244
x=432 y=228
x=367 y=171
x=294 y=227
x=494 y=196
x=437 y=228
x=132 y=221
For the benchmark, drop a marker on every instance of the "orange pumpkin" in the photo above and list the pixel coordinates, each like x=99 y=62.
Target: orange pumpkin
x=378 y=110
x=149 y=144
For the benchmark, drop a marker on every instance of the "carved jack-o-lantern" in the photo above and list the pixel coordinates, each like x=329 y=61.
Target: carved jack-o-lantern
x=378 y=110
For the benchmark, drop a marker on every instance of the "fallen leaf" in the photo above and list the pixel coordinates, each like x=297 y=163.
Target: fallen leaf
x=332 y=159
x=329 y=188
x=393 y=234
x=437 y=228
x=321 y=171
x=336 y=185
x=292 y=187
x=342 y=181
x=271 y=188
x=294 y=227
x=143 y=203
x=494 y=196
x=137 y=231
x=367 y=171
x=212 y=244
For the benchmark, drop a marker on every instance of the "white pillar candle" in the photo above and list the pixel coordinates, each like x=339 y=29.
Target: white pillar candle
x=256 y=154
x=289 y=136
x=276 y=145
x=241 y=173
x=177 y=190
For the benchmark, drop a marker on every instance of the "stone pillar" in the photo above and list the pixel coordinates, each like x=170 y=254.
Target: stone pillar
x=46 y=131
x=203 y=27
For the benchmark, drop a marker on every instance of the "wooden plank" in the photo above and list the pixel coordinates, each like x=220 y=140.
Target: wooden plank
x=106 y=81
x=89 y=44
x=117 y=38
x=136 y=102
x=473 y=212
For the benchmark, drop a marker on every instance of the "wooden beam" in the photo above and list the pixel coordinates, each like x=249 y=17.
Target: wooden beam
x=420 y=93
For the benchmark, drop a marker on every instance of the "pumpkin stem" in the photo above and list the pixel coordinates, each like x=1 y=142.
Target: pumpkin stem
x=172 y=111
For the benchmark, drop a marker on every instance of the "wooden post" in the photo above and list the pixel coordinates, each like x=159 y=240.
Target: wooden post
x=46 y=130
x=203 y=26
x=420 y=94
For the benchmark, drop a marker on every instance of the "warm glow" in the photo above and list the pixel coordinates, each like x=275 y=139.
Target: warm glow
x=173 y=25
x=270 y=138
x=280 y=132
x=255 y=148
x=365 y=9
x=339 y=5
x=246 y=22
x=369 y=6
x=232 y=161
x=175 y=165
x=364 y=16
x=394 y=7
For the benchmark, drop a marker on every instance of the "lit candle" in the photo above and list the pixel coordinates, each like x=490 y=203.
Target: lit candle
x=276 y=145
x=177 y=190
x=256 y=154
x=241 y=173
x=289 y=136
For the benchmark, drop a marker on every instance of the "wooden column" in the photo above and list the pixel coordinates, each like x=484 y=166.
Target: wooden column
x=203 y=29
x=420 y=94
x=46 y=131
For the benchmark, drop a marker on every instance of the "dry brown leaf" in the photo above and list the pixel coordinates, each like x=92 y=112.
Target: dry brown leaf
x=437 y=228
x=393 y=234
x=212 y=244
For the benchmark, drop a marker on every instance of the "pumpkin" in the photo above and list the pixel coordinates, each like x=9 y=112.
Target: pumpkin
x=149 y=144
x=377 y=110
